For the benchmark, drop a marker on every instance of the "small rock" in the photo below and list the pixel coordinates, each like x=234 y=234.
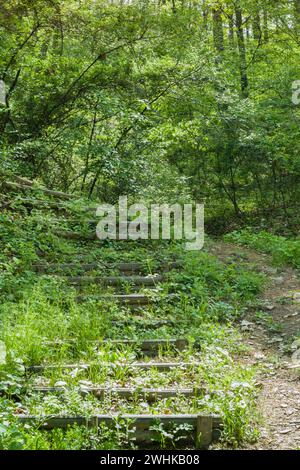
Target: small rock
x=294 y=366
x=246 y=325
x=285 y=431
x=270 y=270
x=85 y=383
x=295 y=344
x=259 y=355
x=60 y=383
x=276 y=339
x=270 y=307
x=296 y=356
x=289 y=315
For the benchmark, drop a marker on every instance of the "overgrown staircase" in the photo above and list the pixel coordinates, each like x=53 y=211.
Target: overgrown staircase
x=126 y=279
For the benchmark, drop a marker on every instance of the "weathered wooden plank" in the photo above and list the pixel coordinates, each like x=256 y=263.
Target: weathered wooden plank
x=114 y=280
x=25 y=187
x=122 y=267
x=147 y=394
x=149 y=344
x=147 y=324
x=144 y=323
x=161 y=366
x=125 y=299
x=40 y=203
x=60 y=267
x=147 y=347
x=23 y=181
x=45 y=204
x=92 y=223
x=141 y=424
x=69 y=235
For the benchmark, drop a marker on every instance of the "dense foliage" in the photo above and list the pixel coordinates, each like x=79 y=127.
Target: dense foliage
x=109 y=98
x=161 y=100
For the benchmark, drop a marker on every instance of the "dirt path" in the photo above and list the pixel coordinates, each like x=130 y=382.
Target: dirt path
x=271 y=336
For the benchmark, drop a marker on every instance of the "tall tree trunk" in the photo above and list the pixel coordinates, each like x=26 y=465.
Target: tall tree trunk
x=87 y=158
x=218 y=30
x=231 y=29
x=205 y=12
x=297 y=15
x=6 y=114
x=256 y=27
x=242 y=50
x=265 y=26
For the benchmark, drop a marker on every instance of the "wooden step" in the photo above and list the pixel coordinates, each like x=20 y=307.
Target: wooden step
x=147 y=394
x=147 y=346
x=41 y=204
x=26 y=187
x=124 y=299
x=144 y=323
x=69 y=235
x=59 y=267
x=21 y=180
x=85 y=267
x=71 y=224
x=114 y=280
x=203 y=428
x=46 y=204
x=160 y=366
x=89 y=222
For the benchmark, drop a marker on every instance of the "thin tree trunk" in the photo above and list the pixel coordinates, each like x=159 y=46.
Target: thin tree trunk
x=205 y=15
x=86 y=169
x=297 y=15
x=256 y=27
x=218 y=30
x=237 y=210
x=242 y=50
x=265 y=26
x=231 y=31
x=7 y=113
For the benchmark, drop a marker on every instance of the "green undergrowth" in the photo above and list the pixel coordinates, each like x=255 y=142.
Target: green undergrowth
x=283 y=251
x=42 y=323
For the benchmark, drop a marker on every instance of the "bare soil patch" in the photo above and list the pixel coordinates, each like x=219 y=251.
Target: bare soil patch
x=271 y=339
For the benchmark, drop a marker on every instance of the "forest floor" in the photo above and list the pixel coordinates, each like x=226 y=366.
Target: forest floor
x=69 y=311
x=269 y=336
